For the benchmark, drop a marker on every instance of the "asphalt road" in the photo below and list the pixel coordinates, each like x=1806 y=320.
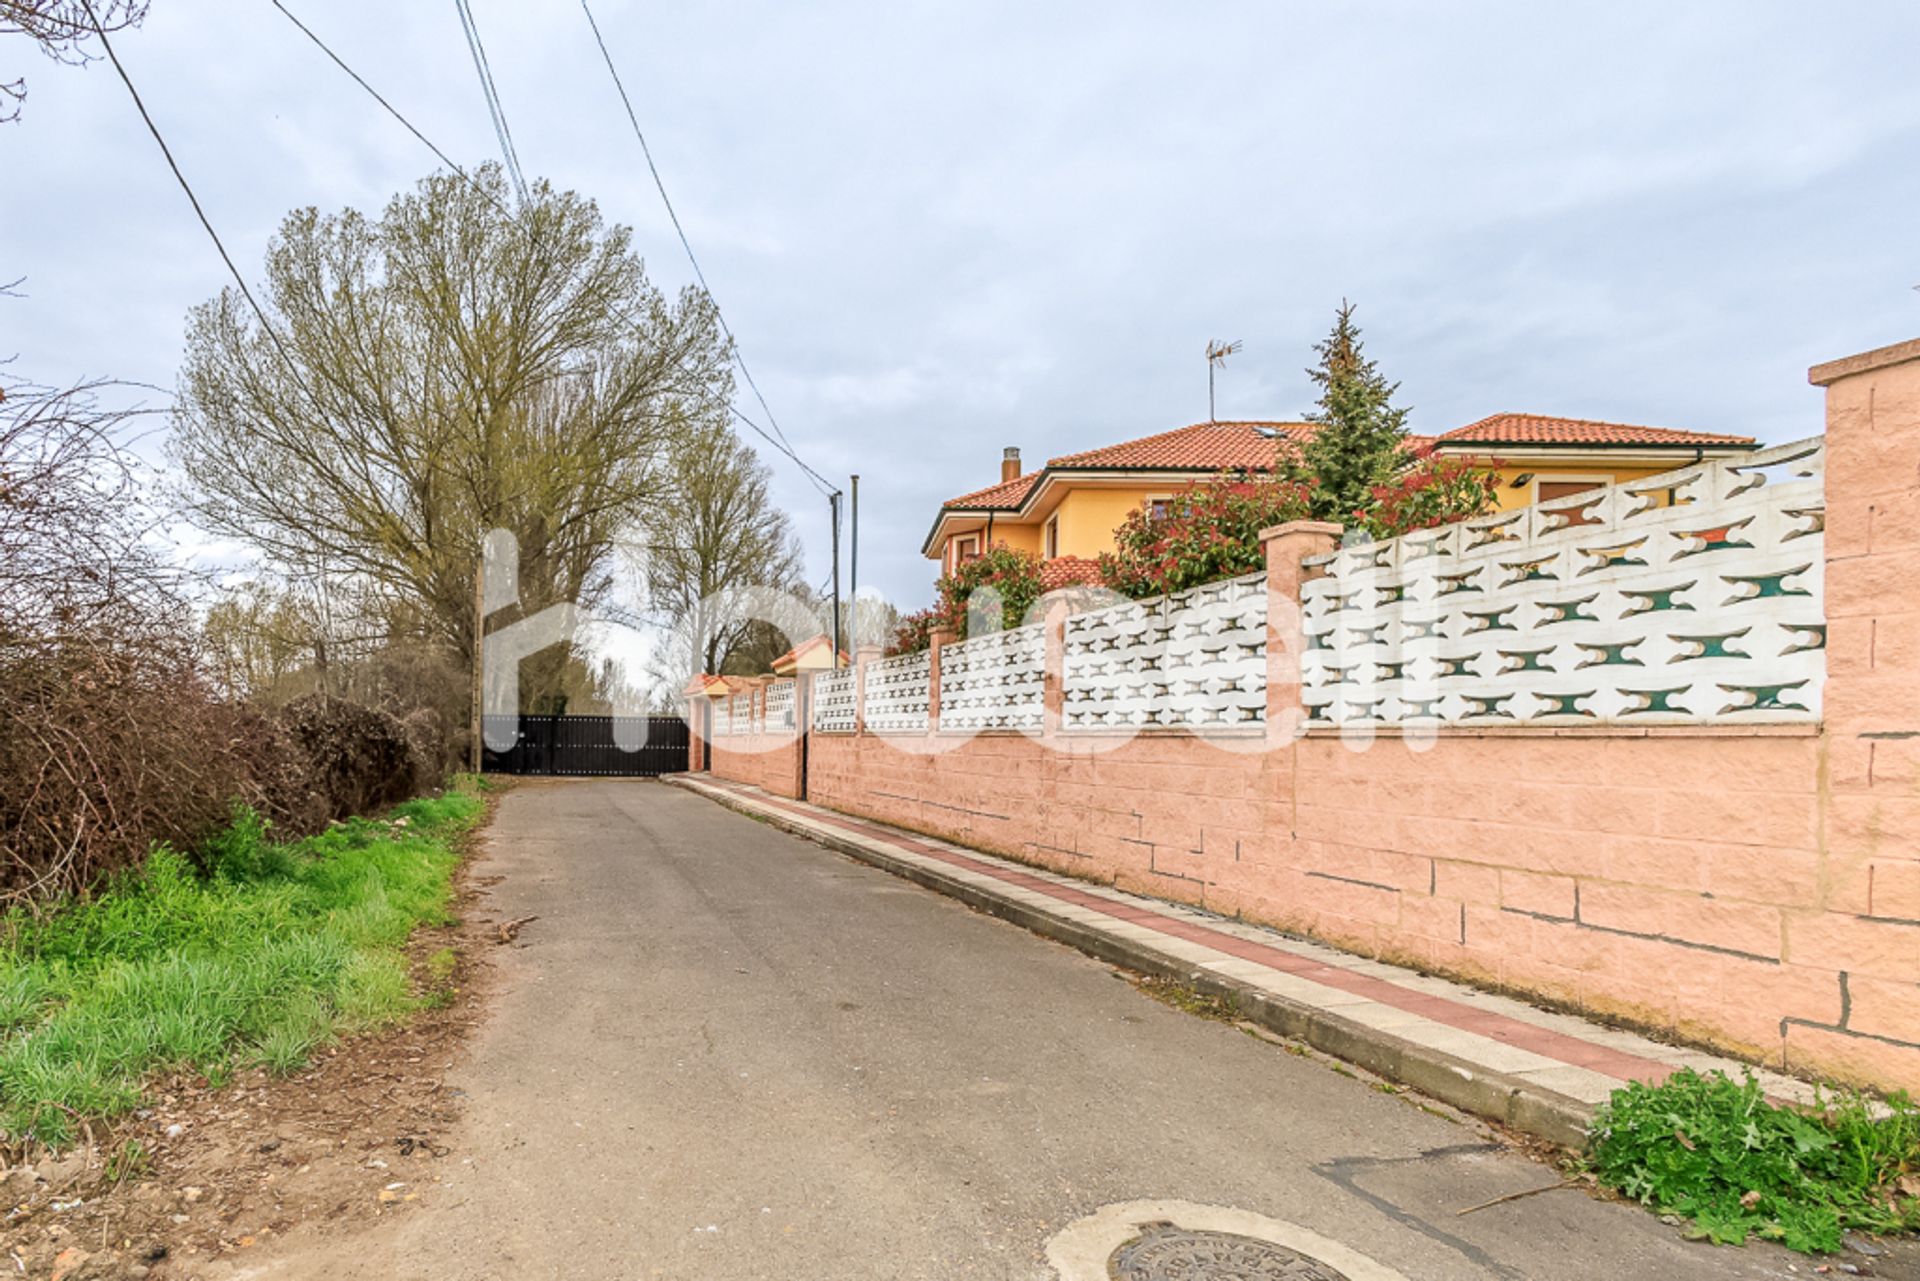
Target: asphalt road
x=725 y=1052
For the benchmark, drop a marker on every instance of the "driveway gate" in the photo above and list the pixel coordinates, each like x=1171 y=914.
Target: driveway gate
x=587 y=746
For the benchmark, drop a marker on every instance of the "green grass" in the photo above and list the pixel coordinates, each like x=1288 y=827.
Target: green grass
x=1713 y=1150
x=251 y=953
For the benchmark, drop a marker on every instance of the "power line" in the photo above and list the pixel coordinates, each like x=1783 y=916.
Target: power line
x=488 y=90
x=674 y=217
x=375 y=94
x=193 y=199
x=778 y=444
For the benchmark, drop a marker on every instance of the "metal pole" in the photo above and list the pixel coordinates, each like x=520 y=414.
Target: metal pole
x=853 y=570
x=834 y=500
x=1210 y=417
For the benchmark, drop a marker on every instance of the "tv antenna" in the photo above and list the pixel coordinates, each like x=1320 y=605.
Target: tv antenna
x=1217 y=353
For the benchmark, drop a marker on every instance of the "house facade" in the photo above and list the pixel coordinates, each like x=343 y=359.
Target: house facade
x=1066 y=512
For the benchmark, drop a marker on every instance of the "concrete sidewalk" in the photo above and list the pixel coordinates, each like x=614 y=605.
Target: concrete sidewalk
x=1533 y=1070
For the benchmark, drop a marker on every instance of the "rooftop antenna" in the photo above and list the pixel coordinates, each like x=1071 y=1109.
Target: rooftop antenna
x=1217 y=353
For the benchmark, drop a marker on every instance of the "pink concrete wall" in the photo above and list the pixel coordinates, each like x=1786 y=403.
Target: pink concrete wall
x=697 y=736
x=767 y=761
x=1649 y=878
x=770 y=761
x=1869 y=940
x=1757 y=889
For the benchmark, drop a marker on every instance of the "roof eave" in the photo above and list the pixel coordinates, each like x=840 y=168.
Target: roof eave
x=1553 y=446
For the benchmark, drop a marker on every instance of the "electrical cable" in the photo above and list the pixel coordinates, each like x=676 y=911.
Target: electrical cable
x=780 y=444
x=674 y=217
x=199 y=212
x=488 y=90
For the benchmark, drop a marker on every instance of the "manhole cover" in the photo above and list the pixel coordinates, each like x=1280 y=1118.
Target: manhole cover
x=1164 y=1252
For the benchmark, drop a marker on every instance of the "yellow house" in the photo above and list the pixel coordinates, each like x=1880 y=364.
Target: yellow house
x=1066 y=512
x=815 y=654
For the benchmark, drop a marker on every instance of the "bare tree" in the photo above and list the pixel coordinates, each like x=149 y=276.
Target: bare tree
x=716 y=537
x=454 y=366
x=63 y=29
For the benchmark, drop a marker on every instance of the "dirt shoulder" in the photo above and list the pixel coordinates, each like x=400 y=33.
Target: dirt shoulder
x=208 y=1172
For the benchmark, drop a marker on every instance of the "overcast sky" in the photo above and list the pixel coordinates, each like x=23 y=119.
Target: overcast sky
x=938 y=230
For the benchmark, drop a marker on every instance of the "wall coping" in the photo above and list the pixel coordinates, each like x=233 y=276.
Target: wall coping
x=1326 y=527
x=1825 y=375
x=1796 y=729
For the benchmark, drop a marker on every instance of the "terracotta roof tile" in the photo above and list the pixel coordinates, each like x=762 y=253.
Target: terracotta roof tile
x=1068 y=571
x=1542 y=429
x=1200 y=447
x=1006 y=496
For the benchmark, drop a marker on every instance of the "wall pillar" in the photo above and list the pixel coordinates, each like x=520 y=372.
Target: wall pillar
x=938 y=639
x=698 y=713
x=1286 y=546
x=1871 y=713
x=1053 y=663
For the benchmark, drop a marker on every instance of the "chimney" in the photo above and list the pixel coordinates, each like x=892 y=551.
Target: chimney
x=1010 y=464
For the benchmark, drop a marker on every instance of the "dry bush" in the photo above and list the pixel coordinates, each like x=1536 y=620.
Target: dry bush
x=430 y=748
x=106 y=720
x=280 y=785
x=112 y=737
x=359 y=759
x=105 y=748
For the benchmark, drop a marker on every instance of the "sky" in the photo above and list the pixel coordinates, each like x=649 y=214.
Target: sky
x=942 y=229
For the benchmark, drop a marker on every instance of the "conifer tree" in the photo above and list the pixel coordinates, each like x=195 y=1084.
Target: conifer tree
x=1362 y=438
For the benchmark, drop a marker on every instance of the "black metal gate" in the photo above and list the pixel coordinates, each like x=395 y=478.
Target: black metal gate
x=588 y=746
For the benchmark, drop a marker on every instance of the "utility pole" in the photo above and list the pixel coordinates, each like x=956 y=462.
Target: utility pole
x=476 y=728
x=834 y=500
x=853 y=572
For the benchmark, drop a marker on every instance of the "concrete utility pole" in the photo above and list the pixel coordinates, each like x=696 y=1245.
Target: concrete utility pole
x=834 y=500
x=853 y=574
x=476 y=687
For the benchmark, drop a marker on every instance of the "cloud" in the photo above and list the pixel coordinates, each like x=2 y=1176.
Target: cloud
x=941 y=229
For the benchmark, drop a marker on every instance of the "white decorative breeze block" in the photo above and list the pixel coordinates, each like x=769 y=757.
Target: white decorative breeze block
x=835 y=706
x=778 y=709
x=1194 y=660
x=897 y=692
x=1690 y=597
x=996 y=681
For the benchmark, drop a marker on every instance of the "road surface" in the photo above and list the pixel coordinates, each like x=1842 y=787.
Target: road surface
x=724 y=1052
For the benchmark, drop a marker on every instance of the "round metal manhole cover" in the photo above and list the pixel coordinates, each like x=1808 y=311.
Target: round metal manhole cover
x=1166 y=1252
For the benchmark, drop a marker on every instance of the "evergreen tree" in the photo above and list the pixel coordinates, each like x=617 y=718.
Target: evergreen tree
x=1361 y=443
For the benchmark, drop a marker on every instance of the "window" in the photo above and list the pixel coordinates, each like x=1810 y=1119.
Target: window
x=1053 y=537
x=1159 y=504
x=965 y=549
x=1546 y=489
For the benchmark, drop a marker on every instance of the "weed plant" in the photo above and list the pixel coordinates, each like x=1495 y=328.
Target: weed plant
x=1715 y=1151
x=245 y=952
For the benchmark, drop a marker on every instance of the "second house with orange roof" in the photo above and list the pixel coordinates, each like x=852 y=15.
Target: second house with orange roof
x=1066 y=512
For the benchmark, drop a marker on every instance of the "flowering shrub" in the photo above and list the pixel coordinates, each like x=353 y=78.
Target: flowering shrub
x=1208 y=532
x=1212 y=530
x=1430 y=491
x=1014 y=574
x=915 y=632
